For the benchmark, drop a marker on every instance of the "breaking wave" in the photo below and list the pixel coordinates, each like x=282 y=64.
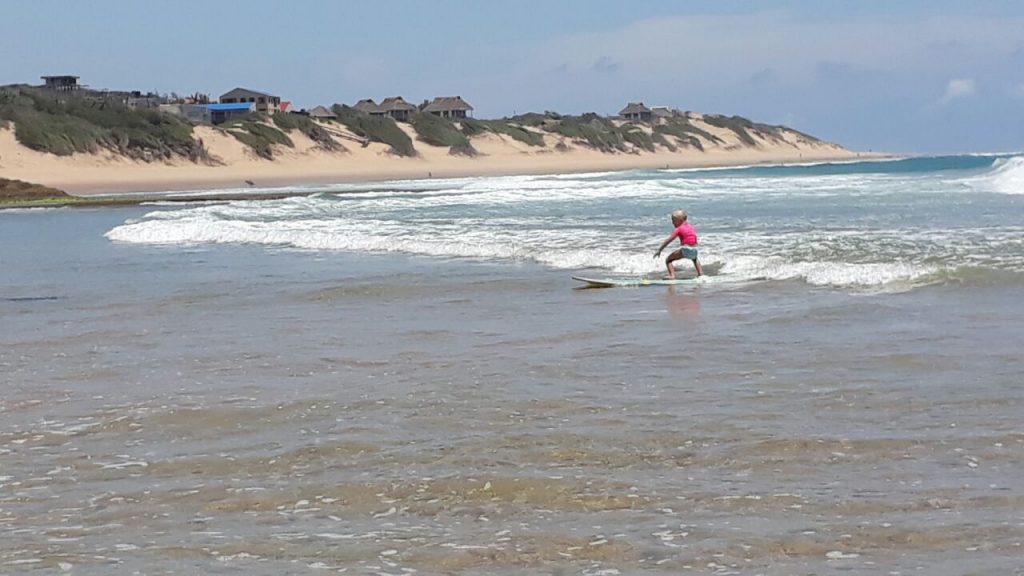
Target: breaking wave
x=1005 y=177
x=859 y=229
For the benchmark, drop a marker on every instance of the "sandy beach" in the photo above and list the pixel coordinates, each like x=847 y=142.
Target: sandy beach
x=235 y=164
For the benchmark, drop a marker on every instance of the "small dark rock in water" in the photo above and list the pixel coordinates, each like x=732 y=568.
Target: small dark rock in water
x=250 y=182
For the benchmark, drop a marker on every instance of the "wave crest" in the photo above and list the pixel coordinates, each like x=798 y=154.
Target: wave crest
x=1005 y=177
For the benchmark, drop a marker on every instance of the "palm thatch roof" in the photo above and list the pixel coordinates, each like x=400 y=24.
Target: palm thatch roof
x=367 y=105
x=634 y=108
x=447 y=103
x=322 y=112
x=395 y=103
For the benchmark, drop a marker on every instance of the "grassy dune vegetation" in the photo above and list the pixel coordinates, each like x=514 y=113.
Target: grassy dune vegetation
x=471 y=127
x=257 y=135
x=306 y=125
x=263 y=134
x=686 y=133
x=590 y=130
x=67 y=123
x=78 y=124
x=437 y=131
x=744 y=128
x=376 y=129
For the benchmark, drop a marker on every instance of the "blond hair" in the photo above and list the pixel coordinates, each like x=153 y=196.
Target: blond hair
x=679 y=215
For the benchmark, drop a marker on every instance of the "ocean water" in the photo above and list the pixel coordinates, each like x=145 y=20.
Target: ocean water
x=401 y=378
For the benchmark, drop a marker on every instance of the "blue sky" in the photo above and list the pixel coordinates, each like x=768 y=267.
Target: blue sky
x=900 y=76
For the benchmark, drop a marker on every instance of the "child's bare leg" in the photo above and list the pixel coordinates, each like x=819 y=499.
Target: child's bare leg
x=668 y=263
x=696 y=264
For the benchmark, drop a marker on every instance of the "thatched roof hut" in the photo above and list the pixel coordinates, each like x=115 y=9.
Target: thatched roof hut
x=368 y=106
x=635 y=111
x=322 y=112
x=449 y=107
x=397 y=108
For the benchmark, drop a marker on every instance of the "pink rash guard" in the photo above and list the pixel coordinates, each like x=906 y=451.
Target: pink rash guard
x=687 y=234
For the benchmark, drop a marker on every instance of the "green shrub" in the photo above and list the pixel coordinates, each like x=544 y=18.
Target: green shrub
x=662 y=140
x=637 y=137
x=737 y=124
x=472 y=127
x=258 y=136
x=519 y=133
x=590 y=130
x=376 y=129
x=742 y=126
x=62 y=135
x=437 y=131
x=534 y=119
x=687 y=133
x=307 y=126
x=65 y=124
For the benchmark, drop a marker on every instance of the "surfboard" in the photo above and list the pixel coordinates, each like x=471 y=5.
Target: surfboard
x=639 y=281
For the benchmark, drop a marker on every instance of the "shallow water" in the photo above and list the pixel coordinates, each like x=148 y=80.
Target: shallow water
x=255 y=409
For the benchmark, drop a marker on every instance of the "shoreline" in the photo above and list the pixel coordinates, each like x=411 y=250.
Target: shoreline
x=177 y=179
x=172 y=183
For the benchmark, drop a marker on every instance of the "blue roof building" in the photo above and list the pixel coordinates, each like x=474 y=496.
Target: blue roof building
x=220 y=113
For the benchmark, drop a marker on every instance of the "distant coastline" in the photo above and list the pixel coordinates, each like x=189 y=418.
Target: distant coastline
x=106 y=173
x=87 y=146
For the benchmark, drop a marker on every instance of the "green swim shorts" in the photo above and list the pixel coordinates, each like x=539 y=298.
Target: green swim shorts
x=689 y=252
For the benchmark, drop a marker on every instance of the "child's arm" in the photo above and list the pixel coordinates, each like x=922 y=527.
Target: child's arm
x=665 y=243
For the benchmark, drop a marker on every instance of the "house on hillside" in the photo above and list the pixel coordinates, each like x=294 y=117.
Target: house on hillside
x=61 y=83
x=137 y=100
x=208 y=113
x=262 y=102
x=220 y=113
x=368 y=106
x=322 y=113
x=663 y=111
x=449 y=107
x=397 y=108
x=636 y=111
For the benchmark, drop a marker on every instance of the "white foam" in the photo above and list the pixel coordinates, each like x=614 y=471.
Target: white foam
x=843 y=274
x=34 y=209
x=1005 y=177
x=473 y=240
x=567 y=222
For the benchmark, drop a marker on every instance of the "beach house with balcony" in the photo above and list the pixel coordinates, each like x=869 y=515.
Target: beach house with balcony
x=261 y=101
x=61 y=83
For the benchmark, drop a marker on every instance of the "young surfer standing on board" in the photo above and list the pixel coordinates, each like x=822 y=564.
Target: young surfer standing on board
x=687 y=235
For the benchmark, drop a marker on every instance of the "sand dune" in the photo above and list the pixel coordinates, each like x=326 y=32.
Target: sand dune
x=106 y=172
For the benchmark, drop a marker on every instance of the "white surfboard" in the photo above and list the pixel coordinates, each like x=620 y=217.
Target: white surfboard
x=639 y=281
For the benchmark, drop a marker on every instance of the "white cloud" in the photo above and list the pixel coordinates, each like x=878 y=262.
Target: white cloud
x=956 y=89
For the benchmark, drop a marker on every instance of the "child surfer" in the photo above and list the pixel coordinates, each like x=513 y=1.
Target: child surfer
x=687 y=235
